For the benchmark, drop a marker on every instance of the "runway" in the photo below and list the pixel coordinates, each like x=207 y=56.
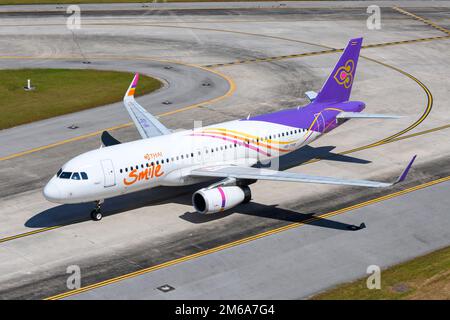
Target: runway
x=258 y=61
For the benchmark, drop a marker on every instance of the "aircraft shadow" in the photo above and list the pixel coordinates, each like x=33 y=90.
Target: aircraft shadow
x=76 y=213
x=275 y=213
x=68 y=214
x=308 y=153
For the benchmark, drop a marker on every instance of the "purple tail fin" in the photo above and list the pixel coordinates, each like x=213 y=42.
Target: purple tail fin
x=338 y=86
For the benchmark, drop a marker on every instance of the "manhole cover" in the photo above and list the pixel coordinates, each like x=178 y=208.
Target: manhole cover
x=165 y=288
x=72 y=127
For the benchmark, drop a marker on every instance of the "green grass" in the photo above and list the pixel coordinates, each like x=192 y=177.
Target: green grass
x=61 y=91
x=426 y=277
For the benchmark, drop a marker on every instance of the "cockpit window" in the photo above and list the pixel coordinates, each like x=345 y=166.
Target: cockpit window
x=58 y=173
x=76 y=176
x=84 y=175
x=65 y=175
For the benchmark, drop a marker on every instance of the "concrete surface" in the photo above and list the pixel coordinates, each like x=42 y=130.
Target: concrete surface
x=152 y=227
x=312 y=258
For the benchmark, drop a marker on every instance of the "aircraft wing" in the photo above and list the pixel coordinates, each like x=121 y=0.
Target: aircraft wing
x=238 y=172
x=147 y=125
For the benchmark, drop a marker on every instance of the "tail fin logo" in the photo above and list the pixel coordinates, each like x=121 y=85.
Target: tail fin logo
x=344 y=74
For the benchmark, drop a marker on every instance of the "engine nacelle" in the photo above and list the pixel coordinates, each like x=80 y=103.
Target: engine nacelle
x=218 y=199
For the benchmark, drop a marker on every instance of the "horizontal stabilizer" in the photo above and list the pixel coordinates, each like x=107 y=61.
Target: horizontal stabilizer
x=311 y=95
x=109 y=140
x=362 y=115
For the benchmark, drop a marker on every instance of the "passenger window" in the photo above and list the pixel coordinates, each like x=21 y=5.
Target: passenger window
x=84 y=175
x=65 y=175
x=192 y=154
x=126 y=169
x=120 y=170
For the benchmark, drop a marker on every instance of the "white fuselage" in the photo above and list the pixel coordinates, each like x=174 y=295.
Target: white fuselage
x=168 y=160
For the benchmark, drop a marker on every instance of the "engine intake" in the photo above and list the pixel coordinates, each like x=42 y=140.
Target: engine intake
x=207 y=201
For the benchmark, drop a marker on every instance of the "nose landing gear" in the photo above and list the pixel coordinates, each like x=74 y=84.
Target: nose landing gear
x=96 y=214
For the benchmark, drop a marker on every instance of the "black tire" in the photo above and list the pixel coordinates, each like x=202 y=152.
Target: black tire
x=247 y=193
x=96 y=215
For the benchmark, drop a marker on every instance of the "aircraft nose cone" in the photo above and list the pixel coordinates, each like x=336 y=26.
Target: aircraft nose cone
x=52 y=192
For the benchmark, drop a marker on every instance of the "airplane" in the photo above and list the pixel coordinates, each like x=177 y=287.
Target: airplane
x=228 y=152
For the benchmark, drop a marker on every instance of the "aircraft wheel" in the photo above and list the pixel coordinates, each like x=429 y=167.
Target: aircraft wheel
x=96 y=215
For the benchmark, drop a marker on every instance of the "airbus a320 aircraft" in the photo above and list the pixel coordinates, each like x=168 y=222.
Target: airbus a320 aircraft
x=226 y=152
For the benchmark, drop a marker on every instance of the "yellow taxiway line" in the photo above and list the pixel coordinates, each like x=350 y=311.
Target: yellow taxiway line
x=426 y=21
x=245 y=240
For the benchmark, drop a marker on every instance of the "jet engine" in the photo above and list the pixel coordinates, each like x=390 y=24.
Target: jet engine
x=218 y=199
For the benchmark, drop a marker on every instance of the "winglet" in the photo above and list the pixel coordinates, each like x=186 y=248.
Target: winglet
x=132 y=88
x=405 y=172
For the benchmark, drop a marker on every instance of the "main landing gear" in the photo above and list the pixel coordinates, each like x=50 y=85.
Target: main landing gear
x=96 y=214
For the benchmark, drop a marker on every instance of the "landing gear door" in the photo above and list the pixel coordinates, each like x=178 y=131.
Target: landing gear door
x=108 y=173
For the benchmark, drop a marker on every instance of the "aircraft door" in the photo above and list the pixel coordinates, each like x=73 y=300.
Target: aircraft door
x=319 y=122
x=108 y=173
x=206 y=155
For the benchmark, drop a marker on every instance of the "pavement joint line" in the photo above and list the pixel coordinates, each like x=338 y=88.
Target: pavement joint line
x=246 y=240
